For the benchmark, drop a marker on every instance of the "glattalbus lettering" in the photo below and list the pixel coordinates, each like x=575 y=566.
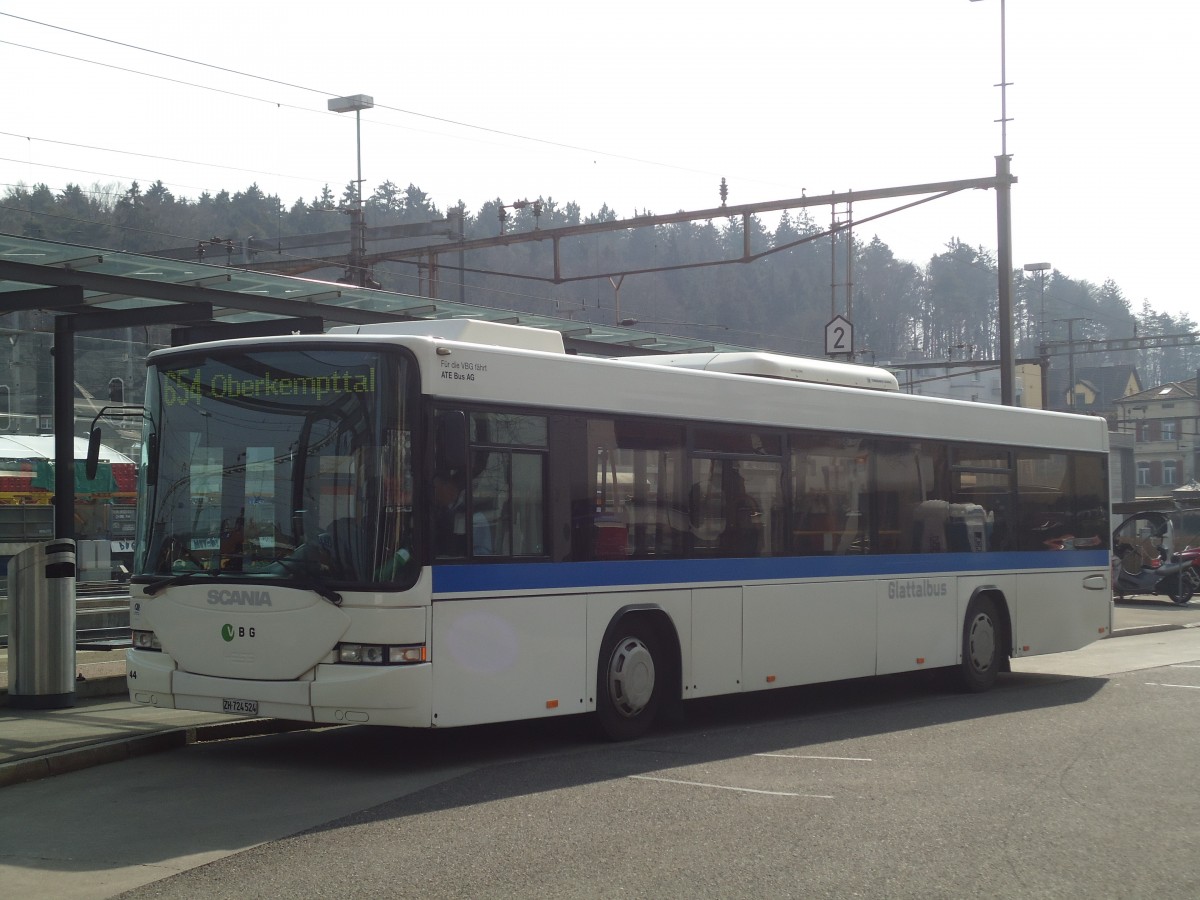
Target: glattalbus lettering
x=916 y=587
x=240 y=598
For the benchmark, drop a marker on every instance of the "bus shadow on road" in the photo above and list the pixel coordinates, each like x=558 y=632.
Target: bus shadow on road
x=515 y=759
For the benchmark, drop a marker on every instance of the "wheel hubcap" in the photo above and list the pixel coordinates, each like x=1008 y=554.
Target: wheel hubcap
x=983 y=643
x=631 y=677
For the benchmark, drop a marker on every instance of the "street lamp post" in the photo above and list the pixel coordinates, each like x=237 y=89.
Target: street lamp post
x=356 y=103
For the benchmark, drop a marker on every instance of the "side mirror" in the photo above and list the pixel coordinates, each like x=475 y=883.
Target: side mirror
x=92 y=463
x=93 y=454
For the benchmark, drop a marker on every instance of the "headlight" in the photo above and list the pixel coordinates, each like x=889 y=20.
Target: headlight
x=145 y=640
x=381 y=654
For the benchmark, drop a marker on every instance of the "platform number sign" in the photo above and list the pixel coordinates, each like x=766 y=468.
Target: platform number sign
x=839 y=337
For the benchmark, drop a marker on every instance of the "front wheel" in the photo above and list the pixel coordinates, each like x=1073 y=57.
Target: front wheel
x=629 y=682
x=981 y=651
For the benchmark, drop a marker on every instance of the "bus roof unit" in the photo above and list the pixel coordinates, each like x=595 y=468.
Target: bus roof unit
x=468 y=331
x=774 y=365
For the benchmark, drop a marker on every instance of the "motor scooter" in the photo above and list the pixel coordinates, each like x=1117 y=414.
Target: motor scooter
x=1143 y=561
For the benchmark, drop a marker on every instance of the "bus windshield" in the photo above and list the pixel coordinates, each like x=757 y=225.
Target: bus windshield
x=292 y=463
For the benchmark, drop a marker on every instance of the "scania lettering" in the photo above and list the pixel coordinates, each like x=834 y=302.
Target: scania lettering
x=243 y=598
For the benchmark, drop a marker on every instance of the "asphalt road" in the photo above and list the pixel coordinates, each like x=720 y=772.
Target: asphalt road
x=1073 y=778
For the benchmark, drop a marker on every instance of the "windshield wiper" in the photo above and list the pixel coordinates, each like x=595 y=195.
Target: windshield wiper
x=304 y=572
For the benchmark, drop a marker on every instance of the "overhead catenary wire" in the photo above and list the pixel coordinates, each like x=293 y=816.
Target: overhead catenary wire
x=327 y=94
x=291 y=85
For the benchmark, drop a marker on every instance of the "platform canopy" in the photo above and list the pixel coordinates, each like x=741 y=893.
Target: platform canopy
x=115 y=280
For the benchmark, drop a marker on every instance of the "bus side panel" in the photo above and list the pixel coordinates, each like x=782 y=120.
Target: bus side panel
x=805 y=633
x=1055 y=611
x=918 y=624
x=716 y=652
x=498 y=659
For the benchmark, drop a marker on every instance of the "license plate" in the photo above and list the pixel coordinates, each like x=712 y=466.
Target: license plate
x=241 y=707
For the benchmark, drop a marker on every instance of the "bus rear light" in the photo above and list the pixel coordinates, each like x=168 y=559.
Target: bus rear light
x=380 y=654
x=145 y=640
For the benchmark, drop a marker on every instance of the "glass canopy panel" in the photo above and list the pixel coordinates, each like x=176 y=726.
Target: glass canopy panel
x=232 y=292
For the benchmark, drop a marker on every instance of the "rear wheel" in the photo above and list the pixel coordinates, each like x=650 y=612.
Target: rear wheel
x=629 y=682
x=982 y=656
x=1184 y=586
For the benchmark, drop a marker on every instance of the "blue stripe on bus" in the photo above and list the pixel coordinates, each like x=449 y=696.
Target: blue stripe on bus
x=481 y=577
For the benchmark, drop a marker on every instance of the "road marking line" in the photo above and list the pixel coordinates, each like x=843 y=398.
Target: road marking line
x=1192 y=687
x=726 y=787
x=834 y=758
x=1185 y=666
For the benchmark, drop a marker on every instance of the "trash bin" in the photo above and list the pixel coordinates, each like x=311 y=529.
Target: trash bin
x=41 y=618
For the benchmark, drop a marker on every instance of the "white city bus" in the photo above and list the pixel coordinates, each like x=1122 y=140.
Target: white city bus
x=451 y=523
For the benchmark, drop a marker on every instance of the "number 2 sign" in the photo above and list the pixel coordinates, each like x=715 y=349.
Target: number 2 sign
x=839 y=337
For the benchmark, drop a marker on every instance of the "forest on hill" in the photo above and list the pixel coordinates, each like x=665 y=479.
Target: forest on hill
x=942 y=308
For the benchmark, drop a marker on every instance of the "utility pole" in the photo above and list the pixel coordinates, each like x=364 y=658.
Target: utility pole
x=1071 y=357
x=1004 y=181
x=1043 y=357
x=1004 y=299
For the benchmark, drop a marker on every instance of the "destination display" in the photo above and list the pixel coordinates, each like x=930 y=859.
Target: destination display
x=184 y=386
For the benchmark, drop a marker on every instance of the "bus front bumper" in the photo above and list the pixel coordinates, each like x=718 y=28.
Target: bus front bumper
x=335 y=694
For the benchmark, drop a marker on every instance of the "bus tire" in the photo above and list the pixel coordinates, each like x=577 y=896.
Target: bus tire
x=982 y=656
x=630 y=680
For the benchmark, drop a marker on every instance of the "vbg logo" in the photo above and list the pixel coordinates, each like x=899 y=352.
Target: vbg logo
x=228 y=632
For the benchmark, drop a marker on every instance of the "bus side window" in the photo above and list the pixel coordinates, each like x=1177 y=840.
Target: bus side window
x=507 y=496
x=450 y=449
x=831 y=496
x=526 y=524
x=610 y=530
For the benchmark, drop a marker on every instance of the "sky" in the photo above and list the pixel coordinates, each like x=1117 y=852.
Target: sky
x=644 y=106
